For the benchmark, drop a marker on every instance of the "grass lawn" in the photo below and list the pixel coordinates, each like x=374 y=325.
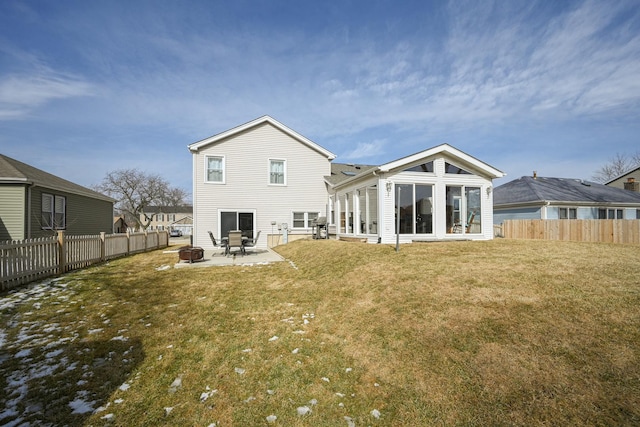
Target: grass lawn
x=503 y=332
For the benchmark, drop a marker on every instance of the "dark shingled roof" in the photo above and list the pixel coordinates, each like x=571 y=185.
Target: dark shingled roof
x=528 y=190
x=14 y=171
x=343 y=171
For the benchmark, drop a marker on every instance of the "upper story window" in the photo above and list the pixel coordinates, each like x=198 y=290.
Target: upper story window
x=159 y=217
x=277 y=172
x=567 y=213
x=54 y=212
x=215 y=169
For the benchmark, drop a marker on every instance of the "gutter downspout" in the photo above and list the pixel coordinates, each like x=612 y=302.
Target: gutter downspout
x=28 y=219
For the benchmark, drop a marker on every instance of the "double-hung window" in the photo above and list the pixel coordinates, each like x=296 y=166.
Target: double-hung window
x=567 y=213
x=215 y=169
x=304 y=219
x=53 y=212
x=277 y=172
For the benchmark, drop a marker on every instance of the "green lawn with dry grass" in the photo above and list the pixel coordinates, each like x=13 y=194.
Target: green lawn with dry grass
x=459 y=333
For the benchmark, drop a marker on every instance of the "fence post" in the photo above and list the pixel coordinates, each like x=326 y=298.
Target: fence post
x=128 y=242
x=103 y=246
x=62 y=253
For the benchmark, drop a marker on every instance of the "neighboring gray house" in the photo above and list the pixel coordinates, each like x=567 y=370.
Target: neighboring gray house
x=34 y=203
x=263 y=176
x=534 y=197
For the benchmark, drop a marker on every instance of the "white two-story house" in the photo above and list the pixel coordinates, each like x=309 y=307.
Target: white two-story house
x=264 y=177
x=260 y=176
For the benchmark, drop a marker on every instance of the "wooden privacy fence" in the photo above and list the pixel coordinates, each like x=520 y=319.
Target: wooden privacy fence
x=23 y=261
x=581 y=230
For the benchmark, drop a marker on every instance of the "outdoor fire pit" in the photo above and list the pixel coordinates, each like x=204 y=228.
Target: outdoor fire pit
x=191 y=253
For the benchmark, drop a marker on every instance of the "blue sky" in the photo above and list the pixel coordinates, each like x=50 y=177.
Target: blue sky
x=88 y=87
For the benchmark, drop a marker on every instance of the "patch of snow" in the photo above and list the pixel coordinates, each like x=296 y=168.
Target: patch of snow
x=375 y=414
x=176 y=384
x=325 y=379
x=350 y=422
x=108 y=417
x=124 y=387
x=271 y=419
x=79 y=406
x=240 y=371
x=273 y=338
x=303 y=410
x=295 y=351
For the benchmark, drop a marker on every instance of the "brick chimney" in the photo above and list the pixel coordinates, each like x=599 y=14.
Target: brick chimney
x=632 y=185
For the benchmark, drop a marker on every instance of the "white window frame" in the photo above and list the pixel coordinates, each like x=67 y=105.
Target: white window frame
x=206 y=169
x=284 y=172
x=568 y=210
x=307 y=220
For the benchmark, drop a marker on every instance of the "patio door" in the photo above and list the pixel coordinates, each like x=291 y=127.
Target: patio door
x=237 y=220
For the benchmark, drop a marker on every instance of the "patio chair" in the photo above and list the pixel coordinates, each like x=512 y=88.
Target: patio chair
x=235 y=241
x=252 y=242
x=217 y=244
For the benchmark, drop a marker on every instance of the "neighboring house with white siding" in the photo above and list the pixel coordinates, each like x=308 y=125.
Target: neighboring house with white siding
x=263 y=176
x=34 y=203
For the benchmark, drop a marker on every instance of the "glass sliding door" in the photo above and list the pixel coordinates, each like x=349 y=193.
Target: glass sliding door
x=235 y=220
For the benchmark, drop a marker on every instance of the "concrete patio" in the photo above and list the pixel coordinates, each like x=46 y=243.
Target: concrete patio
x=217 y=257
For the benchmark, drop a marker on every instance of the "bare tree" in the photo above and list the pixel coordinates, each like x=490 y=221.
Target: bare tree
x=136 y=191
x=616 y=166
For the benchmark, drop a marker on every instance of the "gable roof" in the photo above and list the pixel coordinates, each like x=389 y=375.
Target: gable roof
x=444 y=149
x=342 y=173
x=634 y=170
x=196 y=146
x=15 y=172
x=529 y=190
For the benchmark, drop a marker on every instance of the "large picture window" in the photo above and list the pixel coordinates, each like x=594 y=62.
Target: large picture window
x=54 y=212
x=277 y=172
x=215 y=169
